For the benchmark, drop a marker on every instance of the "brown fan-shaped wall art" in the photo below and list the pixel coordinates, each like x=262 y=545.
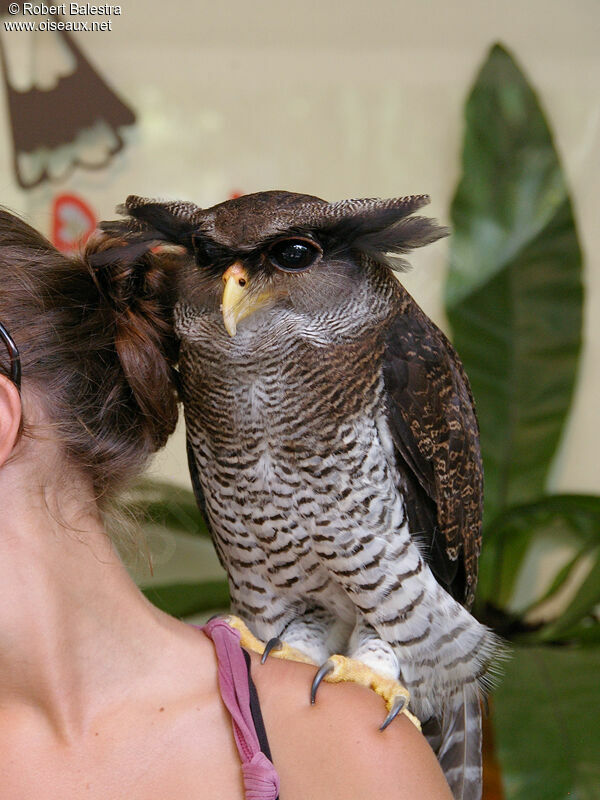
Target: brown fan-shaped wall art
x=44 y=120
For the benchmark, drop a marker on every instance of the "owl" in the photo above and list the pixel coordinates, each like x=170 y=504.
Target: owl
x=333 y=442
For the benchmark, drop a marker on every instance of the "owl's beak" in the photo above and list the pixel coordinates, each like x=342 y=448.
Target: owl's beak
x=237 y=303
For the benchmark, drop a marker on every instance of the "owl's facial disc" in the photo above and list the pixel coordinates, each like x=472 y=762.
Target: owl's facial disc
x=243 y=296
x=238 y=302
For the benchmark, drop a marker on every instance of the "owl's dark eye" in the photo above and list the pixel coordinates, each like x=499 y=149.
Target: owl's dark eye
x=293 y=255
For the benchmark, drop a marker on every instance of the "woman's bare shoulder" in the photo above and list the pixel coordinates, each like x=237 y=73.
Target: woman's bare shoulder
x=334 y=749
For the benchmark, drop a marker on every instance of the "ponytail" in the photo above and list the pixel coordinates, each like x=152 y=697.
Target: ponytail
x=97 y=345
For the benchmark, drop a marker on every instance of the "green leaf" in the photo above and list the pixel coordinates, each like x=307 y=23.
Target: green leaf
x=547 y=726
x=573 y=519
x=559 y=580
x=185 y=599
x=585 y=600
x=167 y=505
x=501 y=560
x=175 y=515
x=586 y=633
x=580 y=513
x=514 y=292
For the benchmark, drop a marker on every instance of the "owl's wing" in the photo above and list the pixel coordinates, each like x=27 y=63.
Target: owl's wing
x=431 y=415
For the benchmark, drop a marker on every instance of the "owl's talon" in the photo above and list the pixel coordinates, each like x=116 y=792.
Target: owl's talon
x=399 y=705
x=273 y=644
x=249 y=642
x=340 y=668
x=322 y=672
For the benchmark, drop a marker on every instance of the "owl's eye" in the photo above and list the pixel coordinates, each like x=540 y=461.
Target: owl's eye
x=293 y=255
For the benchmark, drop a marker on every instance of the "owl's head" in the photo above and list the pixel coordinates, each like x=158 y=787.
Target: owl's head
x=279 y=249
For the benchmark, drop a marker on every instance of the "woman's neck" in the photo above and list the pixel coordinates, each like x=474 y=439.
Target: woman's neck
x=74 y=628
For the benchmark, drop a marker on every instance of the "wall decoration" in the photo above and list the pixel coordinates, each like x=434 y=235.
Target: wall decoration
x=74 y=122
x=72 y=222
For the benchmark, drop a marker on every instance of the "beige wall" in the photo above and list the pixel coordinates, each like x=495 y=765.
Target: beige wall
x=339 y=99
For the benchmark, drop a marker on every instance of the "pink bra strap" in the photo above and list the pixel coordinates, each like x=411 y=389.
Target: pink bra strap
x=261 y=781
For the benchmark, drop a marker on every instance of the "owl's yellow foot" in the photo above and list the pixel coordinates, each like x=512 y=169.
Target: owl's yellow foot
x=249 y=641
x=340 y=668
x=335 y=670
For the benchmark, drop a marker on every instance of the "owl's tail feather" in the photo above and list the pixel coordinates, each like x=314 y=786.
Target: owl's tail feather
x=456 y=740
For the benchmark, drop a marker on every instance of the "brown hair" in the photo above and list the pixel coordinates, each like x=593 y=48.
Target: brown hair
x=97 y=346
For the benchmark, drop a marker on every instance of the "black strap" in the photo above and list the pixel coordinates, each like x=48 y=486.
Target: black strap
x=256 y=713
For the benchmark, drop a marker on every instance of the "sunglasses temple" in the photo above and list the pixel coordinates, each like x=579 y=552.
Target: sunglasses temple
x=15 y=360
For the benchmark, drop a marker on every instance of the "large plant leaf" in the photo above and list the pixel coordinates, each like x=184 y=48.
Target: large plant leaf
x=167 y=505
x=173 y=508
x=514 y=292
x=570 y=519
x=586 y=633
x=185 y=599
x=581 y=606
x=547 y=726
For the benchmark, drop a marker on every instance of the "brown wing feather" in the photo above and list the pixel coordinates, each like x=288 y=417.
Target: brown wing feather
x=433 y=423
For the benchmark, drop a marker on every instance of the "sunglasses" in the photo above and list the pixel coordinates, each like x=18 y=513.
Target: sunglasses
x=15 y=361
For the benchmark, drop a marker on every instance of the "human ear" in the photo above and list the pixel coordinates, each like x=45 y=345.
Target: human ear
x=10 y=417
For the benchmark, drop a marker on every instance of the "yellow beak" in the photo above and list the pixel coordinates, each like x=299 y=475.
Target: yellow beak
x=237 y=304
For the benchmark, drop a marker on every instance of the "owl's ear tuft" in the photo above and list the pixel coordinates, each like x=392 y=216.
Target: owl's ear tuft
x=390 y=244
x=385 y=230
x=172 y=221
x=150 y=227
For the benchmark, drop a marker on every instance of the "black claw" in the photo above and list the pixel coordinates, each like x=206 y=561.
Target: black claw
x=323 y=670
x=273 y=644
x=398 y=705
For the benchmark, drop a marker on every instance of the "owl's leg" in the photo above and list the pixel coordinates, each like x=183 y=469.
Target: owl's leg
x=367 y=646
x=258 y=624
x=250 y=642
x=371 y=663
x=316 y=633
x=309 y=636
